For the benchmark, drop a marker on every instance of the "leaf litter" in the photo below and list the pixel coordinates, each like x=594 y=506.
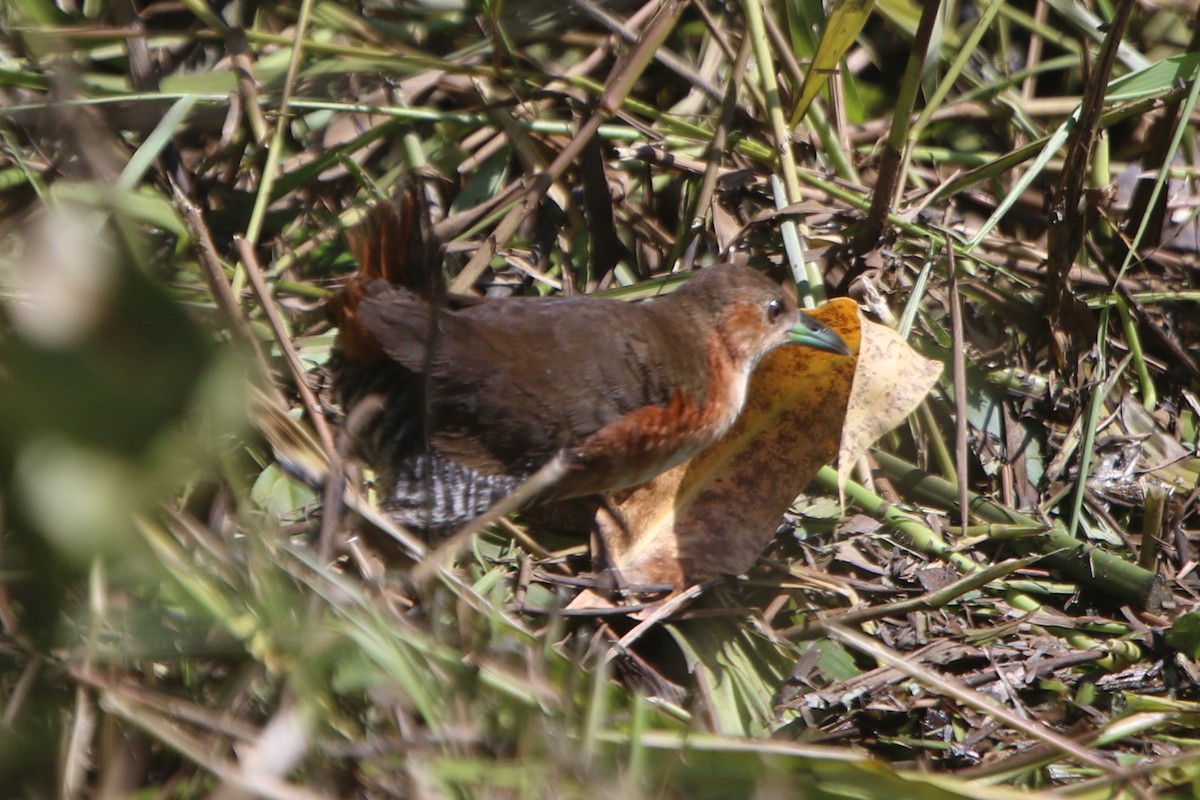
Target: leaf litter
x=222 y=625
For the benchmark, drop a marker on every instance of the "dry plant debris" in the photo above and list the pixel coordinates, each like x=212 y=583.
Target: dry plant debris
x=197 y=596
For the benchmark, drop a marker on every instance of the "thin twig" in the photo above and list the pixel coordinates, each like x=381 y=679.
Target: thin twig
x=958 y=358
x=713 y=154
x=532 y=486
x=976 y=700
x=275 y=320
x=623 y=78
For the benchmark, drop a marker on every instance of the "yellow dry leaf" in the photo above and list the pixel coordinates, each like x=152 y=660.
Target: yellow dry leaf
x=714 y=514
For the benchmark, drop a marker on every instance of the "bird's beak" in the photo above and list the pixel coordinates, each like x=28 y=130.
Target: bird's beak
x=811 y=333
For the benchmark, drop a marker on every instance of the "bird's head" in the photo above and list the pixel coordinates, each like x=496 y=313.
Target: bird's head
x=753 y=315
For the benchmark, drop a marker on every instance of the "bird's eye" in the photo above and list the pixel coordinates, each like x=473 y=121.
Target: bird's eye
x=774 y=310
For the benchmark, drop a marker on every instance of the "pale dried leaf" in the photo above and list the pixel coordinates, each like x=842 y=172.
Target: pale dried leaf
x=891 y=380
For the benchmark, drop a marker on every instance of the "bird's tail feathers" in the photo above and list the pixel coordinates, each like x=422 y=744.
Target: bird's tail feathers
x=394 y=243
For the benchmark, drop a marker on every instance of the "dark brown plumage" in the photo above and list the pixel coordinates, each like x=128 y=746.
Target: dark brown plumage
x=478 y=398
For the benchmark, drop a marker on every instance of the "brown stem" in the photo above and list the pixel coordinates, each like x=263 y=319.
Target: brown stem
x=893 y=150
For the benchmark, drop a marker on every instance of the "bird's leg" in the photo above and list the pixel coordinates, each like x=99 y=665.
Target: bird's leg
x=605 y=534
x=607 y=575
x=609 y=578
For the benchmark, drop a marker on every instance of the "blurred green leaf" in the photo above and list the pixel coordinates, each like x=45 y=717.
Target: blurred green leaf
x=280 y=496
x=1184 y=634
x=841 y=29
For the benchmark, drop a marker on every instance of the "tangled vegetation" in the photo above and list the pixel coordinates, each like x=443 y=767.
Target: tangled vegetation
x=191 y=606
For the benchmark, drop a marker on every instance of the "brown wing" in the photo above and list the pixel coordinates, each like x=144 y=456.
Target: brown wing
x=515 y=381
